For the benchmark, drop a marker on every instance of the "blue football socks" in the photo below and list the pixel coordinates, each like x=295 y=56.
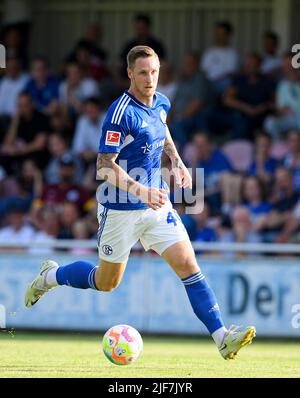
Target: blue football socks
x=203 y=301
x=80 y=274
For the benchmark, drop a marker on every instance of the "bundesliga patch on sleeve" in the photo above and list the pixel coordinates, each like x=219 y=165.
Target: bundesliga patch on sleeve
x=113 y=138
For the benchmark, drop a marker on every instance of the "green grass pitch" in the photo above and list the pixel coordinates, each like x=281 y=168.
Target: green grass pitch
x=80 y=355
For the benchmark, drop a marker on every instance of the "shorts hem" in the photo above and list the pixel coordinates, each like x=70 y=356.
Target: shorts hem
x=114 y=261
x=163 y=247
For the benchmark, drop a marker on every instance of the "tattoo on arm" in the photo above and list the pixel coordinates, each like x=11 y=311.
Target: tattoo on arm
x=172 y=153
x=107 y=169
x=170 y=149
x=106 y=160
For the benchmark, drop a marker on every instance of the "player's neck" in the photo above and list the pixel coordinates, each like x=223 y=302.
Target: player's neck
x=144 y=100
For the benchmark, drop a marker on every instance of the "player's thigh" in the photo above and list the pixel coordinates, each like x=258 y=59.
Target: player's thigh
x=181 y=258
x=109 y=275
x=118 y=232
x=168 y=237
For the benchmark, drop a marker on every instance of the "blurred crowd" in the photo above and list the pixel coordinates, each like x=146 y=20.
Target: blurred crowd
x=238 y=119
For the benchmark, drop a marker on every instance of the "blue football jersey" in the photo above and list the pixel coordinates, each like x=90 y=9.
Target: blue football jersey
x=137 y=132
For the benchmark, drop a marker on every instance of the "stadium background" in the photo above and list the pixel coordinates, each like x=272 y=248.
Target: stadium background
x=253 y=285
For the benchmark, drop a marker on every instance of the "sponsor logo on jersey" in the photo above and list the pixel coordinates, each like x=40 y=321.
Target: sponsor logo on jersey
x=147 y=148
x=151 y=147
x=113 y=138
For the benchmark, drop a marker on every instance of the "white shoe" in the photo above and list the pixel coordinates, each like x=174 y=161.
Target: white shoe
x=235 y=338
x=39 y=287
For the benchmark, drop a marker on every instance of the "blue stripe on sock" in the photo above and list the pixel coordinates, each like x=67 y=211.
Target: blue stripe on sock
x=193 y=278
x=92 y=279
x=203 y=301
x=194 y=281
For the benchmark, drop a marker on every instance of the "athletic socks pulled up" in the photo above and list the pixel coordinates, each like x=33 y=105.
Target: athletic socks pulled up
x=204 y=304
x=80 y=274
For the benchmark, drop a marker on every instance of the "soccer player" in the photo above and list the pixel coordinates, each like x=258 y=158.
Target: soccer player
x=134 y=135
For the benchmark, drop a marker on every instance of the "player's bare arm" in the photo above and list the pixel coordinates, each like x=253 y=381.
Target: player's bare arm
x=182 y=176
x=108 y=170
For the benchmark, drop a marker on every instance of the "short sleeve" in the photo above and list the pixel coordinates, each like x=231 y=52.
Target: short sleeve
x=114 y=134
x=112 y=137
x=165 y=102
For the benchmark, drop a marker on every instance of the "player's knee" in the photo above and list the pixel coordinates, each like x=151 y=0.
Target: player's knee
x=188 y=267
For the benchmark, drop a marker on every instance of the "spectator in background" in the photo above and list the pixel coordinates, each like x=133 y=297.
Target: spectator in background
x=167 y=85
x=11 y=85
x=192 y=99
x=81 y=231
x=263 y=165
x=28 y=182
x=144 y=37
x=187 y=220
x=62 y=124
x=253 y=199
x=250 y=98
x=16 y=40
x=283 y=199
x=242 y=228
x=205 y=233
x=271 y=61
x=26 y=137
x=291 y=227
x=75 y=89
x=20 y=189
x=287 y=116
x=17 y=229
x=48 y=228
x=88 y=131
x=292 y=159
x=90 y=65
x=220 y=61
x=43 y=87
x=58 y=147
x=66 y=188
x=88 y=53
x=215 y=165
x=69 y=215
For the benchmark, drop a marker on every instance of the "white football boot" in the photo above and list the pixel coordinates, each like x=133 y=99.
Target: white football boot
x=236 y=338
x=39 y=286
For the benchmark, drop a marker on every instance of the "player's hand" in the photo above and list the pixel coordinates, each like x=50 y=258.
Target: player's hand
x=182 y=176
x=155 y=198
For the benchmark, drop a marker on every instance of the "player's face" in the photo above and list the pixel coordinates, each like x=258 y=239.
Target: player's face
x=144 y=76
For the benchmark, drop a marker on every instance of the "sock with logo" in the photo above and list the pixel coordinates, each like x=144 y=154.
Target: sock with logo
x=80 y=274
x=204 y=304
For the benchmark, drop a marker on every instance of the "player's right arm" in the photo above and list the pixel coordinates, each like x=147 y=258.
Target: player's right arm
x=118 y=124
x=108 y=170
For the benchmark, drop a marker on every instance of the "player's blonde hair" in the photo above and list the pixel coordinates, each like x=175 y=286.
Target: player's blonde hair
x=139 y=52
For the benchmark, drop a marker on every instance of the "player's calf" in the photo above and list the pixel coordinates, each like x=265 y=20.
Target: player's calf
x=108 y=275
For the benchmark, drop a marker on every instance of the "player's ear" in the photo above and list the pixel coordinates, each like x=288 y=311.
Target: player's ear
x=129 y=73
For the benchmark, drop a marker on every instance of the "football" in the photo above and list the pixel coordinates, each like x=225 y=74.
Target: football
x=122 y=344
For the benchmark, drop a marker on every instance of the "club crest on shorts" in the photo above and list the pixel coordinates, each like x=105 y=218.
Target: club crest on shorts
x=107 y=250
x=163 y=116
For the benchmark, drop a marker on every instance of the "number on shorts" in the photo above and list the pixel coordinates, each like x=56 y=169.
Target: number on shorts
x=171 y=219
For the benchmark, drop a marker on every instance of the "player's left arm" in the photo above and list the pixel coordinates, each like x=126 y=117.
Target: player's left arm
x=182 y=176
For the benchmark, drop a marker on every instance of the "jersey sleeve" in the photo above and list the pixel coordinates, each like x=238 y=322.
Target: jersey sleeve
x=113 y=134
x=166 y=103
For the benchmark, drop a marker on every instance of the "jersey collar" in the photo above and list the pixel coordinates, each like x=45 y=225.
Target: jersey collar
x=140 y=103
